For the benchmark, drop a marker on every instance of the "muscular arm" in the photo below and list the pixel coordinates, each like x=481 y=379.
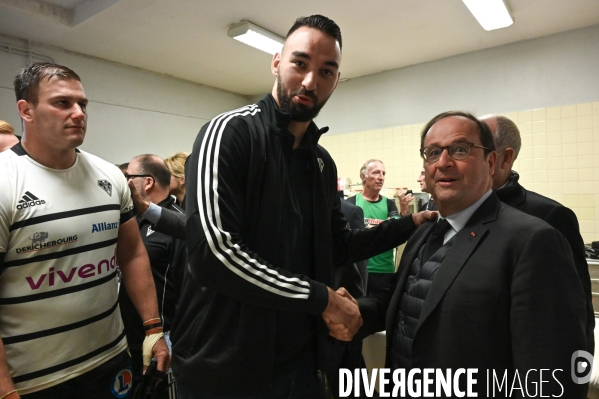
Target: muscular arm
x=6 y=384
x=137 y=277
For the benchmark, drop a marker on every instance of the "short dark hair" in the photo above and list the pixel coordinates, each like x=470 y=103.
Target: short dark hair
x=319 y=22
x=486 y=137
x=153 y=165
x=27 y=82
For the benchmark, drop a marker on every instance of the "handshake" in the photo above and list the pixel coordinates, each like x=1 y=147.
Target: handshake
x=342 y=315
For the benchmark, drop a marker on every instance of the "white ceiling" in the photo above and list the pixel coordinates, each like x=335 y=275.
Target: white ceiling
x=188 y=39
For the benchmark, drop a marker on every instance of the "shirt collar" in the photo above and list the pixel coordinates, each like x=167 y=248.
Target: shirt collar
x=459 y=219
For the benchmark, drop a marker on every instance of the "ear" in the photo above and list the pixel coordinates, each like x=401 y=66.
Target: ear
x=337 y=82
x=25 y=110
x=182 y=180
x=148 y=184
x=274 y=64
x=508 y=159
x=491 y=161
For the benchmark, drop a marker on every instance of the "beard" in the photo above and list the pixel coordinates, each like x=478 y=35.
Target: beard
x=298 y=112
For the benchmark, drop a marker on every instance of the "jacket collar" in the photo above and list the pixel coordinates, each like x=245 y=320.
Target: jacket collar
x=279 y=121
x=465 y=243
x=512 y=193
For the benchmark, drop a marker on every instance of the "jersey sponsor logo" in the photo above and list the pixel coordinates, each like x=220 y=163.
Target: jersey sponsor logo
x=96 y=227
x=38 y=242
x=86 y=271
x=29 y=200
x=106 y=186
x=150 y=231
x=369 y=222
x=122 y=383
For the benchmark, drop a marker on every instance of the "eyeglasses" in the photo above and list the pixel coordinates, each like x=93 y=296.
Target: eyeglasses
x=127 y=176
x=457 y=151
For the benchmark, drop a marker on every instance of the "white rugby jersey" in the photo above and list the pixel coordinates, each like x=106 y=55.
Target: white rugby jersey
x=59 y=315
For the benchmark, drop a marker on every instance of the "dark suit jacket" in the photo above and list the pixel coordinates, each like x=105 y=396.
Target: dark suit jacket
x=352 y=277
x=565 y=221
x=171 y=223
x=347 y=276
x=506 y=297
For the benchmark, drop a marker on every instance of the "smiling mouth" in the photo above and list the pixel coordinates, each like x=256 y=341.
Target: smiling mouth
x=446 y=180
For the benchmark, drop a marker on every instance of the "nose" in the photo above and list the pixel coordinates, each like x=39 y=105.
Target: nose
x=309 y=83
x=77 y=112
x=444 y=159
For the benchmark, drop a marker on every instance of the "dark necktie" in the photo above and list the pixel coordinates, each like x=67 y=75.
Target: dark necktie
x=435 y=239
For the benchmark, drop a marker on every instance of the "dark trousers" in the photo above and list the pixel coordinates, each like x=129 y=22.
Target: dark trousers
x=112 y=379
x=291 y=384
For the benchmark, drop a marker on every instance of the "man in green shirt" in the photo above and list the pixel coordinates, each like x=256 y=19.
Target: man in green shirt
x=377 y=208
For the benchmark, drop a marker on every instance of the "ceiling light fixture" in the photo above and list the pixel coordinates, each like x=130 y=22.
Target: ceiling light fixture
x=491 y=14
x=255 y=36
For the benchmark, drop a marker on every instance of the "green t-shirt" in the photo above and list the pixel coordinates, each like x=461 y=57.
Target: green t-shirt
x=374 y=214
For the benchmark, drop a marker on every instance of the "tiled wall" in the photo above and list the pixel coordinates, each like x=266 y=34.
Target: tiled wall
x=559 y=157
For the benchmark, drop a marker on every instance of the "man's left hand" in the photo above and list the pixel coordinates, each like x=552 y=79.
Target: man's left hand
x=162 y=354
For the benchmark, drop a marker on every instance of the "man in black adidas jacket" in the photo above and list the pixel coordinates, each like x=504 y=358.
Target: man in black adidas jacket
x=264 y=230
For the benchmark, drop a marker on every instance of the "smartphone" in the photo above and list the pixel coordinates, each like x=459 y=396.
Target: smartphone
x=409 y=192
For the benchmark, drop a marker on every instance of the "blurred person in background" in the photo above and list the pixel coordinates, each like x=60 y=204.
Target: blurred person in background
x=377 y=208
x=7 y=136
x=176 y=165
x=505 y=181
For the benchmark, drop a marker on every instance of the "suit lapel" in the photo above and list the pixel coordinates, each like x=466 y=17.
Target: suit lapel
x=464 y=244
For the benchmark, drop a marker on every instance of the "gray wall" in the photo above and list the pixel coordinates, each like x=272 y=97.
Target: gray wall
x=131 y=111
x=550 y=71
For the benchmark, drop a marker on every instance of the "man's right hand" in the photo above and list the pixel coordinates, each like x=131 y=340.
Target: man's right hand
x=140 y=204
x=343 y=310
x=424 y=216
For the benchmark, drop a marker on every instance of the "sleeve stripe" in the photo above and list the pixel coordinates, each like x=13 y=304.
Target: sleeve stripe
x=219 y=241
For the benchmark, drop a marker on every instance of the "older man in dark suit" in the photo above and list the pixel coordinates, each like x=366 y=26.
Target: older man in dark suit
x=486 y=287
x=505 y=180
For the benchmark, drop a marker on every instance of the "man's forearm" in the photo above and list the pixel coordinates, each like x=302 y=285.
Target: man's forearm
x=139 y=282
x=6 y=384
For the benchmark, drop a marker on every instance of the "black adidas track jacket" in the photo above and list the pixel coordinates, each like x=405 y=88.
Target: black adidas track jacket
x=237 y=190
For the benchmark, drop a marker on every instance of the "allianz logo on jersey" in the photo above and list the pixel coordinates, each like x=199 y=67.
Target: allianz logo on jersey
x=29 y=200
x=38 y=242
x=103 y=226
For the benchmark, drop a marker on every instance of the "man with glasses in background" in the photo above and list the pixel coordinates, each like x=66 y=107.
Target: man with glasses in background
x=151 y=178
x=485 y=287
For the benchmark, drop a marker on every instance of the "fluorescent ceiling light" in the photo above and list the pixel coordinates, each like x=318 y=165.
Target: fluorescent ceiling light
x=255 y=36
x=491 y=14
